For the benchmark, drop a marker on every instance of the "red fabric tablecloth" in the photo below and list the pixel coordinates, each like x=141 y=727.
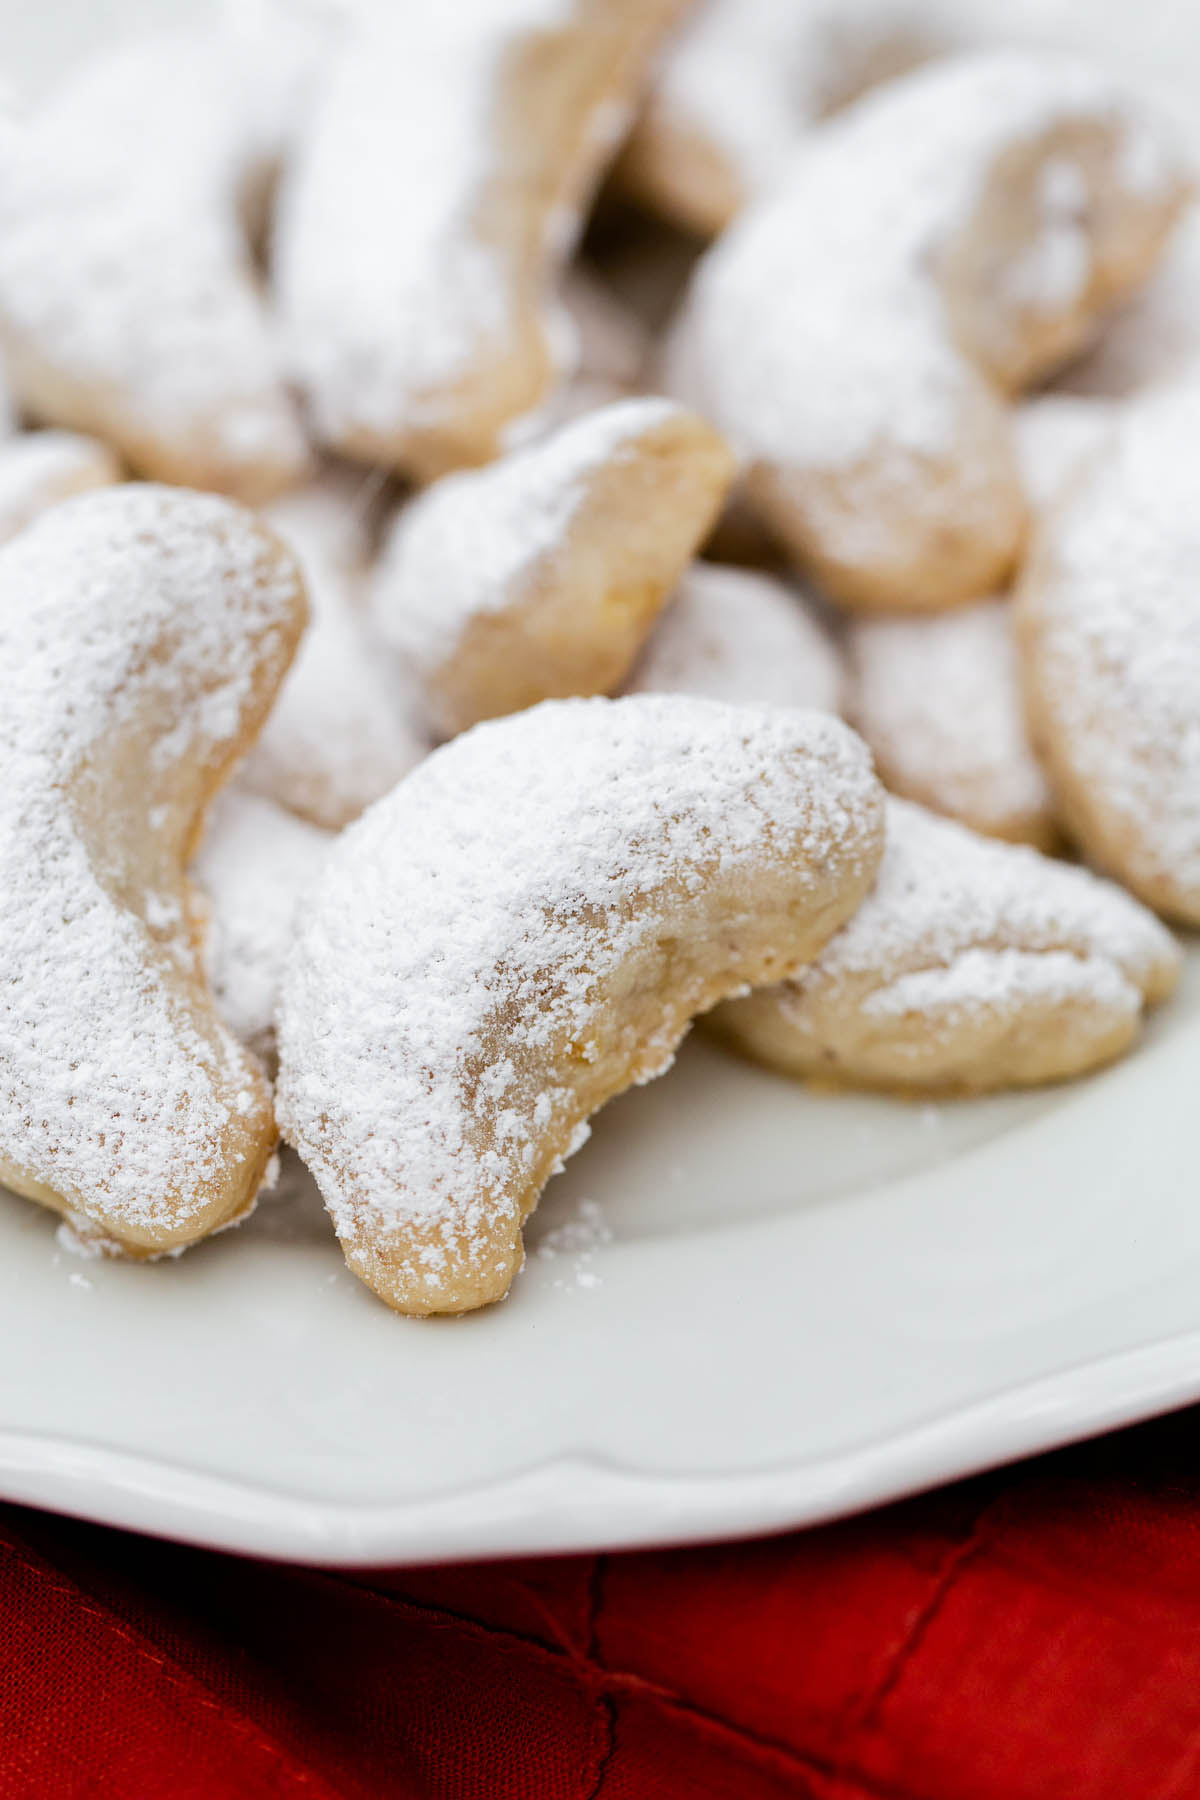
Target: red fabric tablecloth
x=1028 y=1635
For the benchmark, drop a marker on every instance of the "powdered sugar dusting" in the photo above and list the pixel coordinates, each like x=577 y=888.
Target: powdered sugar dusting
x=734 y=634
x=749 y=77
x=254 y=863
x=984 y=978
x=445 y=990
x=938 y=698
x=123 y=266
x=388 y=281
x=1114 y=627
x=344 y=728
x=135 y=624
x=472 y=543
x=1057 y=436
x=954 y=918
x=577 y=1240
x=39 y=468
x=818 y=331
x=1155 y=338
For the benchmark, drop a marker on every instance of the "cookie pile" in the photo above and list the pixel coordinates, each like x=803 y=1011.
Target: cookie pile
x=375 y=378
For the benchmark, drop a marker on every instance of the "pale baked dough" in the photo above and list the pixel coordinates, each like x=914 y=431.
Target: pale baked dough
x=254 y=863
x=1057 y=435
x=40 y=468
x=540 y=576
x=944 y=243
x=736 y=634
x=129 y=305
x=437 y=196
x=345 y=726
x=1154 y=339
x=524 y=928
x=971 y=966
x=145 y=631
x=1108 y=617
x=744 y=80
x=938 y=698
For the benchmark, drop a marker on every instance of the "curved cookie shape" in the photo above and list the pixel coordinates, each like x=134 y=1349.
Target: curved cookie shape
x=254 y=863
x=40 y=468
x=1155 y=337
x=145 y=631
x=417 y=308
x=1108 y=618
x=971 y=966
x=744 y=80
x=129 y=307
x=539 y=577
x=734 y=634
x=1057 y=436
x=938 y=699
x=344 y=728
x=949 y=239
x=525 y=927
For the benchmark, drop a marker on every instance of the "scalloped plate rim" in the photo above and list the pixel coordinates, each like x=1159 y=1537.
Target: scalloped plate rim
x=610 y=1506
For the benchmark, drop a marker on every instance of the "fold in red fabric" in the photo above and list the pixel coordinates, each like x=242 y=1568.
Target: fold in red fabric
x=1029 y=1635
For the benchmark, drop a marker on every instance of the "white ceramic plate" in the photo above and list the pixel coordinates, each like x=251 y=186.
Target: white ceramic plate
x=745 y=1307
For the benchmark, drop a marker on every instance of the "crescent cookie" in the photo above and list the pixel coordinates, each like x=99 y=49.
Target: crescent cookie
x=950 y=239
x=129 y=307
x=254 y=863
x=938 y=699
x=1057 y=435
x=744 y=80
x=524 y=928
x=1108 y=618
x=734 y=634
x=972 y=966
x=144 y=631
x=437 y=195
x=344 y=727
x=1155 y=337
x=539 y=577
x=40 y=468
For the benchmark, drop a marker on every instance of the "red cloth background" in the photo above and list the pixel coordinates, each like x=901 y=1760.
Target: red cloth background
x=1029 y=1635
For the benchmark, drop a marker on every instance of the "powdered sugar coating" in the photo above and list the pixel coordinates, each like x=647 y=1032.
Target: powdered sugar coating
x=345 y=725
x=958 y=943
x=734 y=634
x=127 y=298
x=1109 y=614
x=421 y=227
x=253 y=865
x=541 y=575
x=938 y=699
x=436 y=574
x=848 y=332
x=819 y=322
x=745 y=79
x=943 y=891
x=381 y=311
x=1057 y=435
x=487 y=943
x=1155 y=338
x=144 y=630
x=40 y=468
